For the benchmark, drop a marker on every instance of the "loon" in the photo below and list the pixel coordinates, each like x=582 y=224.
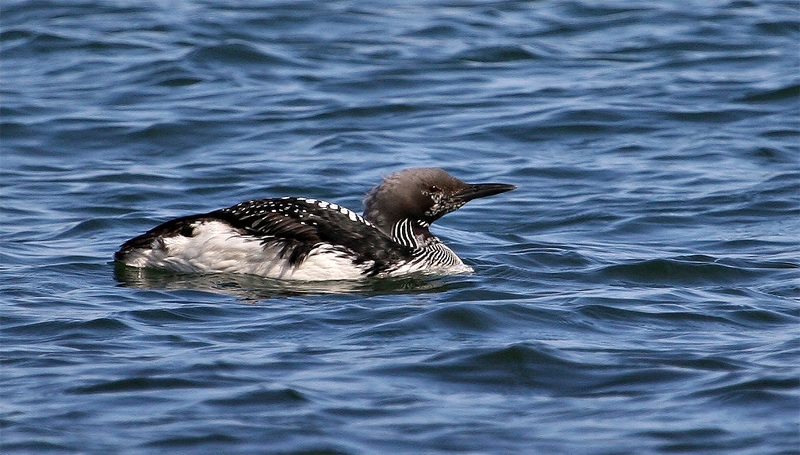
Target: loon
x=296 y=238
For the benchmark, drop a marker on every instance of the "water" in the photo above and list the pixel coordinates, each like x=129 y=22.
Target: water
x=638 y=294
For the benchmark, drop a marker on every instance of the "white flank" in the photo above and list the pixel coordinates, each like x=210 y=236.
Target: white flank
x=217 y=247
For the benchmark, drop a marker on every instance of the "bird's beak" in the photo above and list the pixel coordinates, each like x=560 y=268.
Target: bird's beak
x=482 y=190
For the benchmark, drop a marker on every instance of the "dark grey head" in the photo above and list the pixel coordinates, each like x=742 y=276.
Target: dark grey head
x=422 y=194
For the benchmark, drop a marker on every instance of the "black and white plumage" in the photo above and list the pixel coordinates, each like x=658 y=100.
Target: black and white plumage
x=309 y=239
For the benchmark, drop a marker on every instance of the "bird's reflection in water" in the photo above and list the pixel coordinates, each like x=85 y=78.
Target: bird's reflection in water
x=251 y=288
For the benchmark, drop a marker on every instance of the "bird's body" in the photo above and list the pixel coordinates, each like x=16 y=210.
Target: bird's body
x=308 y=239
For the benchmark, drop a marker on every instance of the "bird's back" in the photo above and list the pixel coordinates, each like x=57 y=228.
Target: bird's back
x=289 y=238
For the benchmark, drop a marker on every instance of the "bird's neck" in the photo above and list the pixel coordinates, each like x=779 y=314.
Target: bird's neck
x=412 y=233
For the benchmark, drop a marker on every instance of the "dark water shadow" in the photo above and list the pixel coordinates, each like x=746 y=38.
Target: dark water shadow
x=253 y=288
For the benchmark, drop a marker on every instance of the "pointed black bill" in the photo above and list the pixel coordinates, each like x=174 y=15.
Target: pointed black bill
x=482 y=190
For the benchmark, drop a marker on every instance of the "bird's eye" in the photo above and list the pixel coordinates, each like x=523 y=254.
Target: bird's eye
x=434 y=189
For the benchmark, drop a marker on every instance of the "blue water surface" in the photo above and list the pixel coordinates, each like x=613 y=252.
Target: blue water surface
x=638 y=294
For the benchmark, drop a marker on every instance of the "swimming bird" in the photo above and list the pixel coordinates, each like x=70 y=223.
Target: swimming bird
x=297 y=238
